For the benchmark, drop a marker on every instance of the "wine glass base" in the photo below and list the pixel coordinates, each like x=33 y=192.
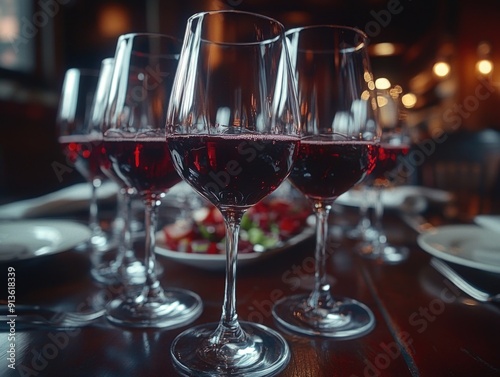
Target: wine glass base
x=386 y=254
x=131 y=274
x=107 y=275
x=178 y=307
x=346 y=319
x=100 y=242
x=265 y=353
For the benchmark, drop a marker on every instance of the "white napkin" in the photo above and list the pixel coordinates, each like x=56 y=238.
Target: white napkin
x=62 y=201
x=491 y=222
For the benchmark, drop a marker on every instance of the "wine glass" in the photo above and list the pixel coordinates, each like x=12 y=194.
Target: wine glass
x=364 y=228
x=134 y=143
x=233 y=133
x=79 y=144
x=122 y=266
x=338 y=148
x=394 y=145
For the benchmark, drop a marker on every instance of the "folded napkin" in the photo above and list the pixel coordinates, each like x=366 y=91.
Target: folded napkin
x=491 y=222
x=68 y=199
x=399 y=197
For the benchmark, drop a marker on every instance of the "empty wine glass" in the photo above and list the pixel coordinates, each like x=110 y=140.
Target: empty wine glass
x=233 y=133
x=394 y=145
x=79 y=144
x=338 y=148
x=134 y=143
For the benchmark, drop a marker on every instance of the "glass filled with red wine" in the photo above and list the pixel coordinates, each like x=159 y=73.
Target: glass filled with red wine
x=394 y=145
x=233 y=132
x=79 y=144
x=118 y=265
x=338 y=149
x=134 y=143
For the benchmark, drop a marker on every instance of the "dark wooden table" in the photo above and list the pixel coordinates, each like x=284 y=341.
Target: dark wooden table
x=424 y=325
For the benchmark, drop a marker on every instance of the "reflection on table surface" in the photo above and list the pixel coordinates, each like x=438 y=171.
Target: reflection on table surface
x=424 y=325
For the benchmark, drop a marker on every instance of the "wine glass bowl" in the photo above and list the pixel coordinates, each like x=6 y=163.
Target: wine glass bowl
x=134 y=145
x=79 y=144
x=338 y=149
x=233 y=132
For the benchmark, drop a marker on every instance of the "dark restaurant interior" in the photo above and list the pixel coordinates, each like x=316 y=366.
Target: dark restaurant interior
x=438 y=59
x=409 y=40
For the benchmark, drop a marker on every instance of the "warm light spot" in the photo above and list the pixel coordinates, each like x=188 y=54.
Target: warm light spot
x=365 y=95
x=382 y=101
x=9 y=28
x=113 y=20
x=441 y=69
x=382 y=83
x=383 y=49
x=421 y=82
x=368 y=76
x=484 y=66
x=409 y=100
x=484 y=49
x=396 y=91
x=296 y=17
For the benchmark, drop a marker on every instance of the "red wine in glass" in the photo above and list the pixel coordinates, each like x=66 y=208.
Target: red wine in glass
x=325 y=169
x=340 y=132
x=142 y=163
x=234 y=170
x=385 y=171
x=388 y=160
x=83 y=151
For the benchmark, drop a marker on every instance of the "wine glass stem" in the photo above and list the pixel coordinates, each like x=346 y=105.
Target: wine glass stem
x=229 y=328
x=125 y=252
x=93 y=208
x=152 y=286
x=321 y=296
x=365 y=222
x=381 y=240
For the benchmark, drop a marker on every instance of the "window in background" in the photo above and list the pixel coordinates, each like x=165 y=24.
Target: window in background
x=18 y=30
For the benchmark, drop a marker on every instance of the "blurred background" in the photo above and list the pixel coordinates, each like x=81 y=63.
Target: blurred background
x=440 y=57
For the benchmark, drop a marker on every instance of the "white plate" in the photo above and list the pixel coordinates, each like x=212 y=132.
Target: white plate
x=468 y=245
x=218 y=261
x=33 y=238
x=394 y=197
x=491 y=222
x=71 y=198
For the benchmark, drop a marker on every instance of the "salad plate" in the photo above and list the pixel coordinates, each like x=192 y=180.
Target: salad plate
x=268 y=228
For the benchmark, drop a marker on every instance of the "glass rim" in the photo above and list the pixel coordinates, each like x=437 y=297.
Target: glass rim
x=200 y=15
x=363 y=37
x=82 y=72
x=108 y=60
x=147 y=34
x=130 y=37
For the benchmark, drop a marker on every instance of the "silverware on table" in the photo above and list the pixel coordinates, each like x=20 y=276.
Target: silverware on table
x=421 y=225
x=461 y=283
x=417 y=222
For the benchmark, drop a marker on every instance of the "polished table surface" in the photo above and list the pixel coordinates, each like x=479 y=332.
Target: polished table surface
x=424 y=325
